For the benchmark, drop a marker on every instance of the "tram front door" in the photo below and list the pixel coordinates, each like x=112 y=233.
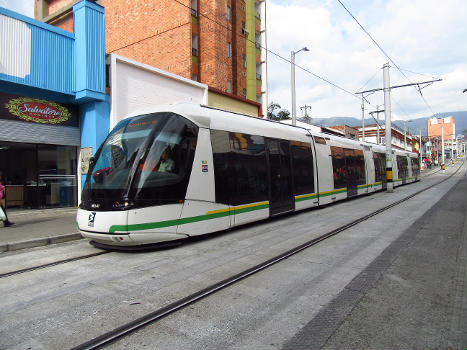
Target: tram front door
x=280 y=177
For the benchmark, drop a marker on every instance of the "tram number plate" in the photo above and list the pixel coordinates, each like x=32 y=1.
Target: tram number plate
x=91 y=219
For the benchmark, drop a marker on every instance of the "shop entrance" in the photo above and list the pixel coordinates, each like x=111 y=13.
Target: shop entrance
x=38 y=175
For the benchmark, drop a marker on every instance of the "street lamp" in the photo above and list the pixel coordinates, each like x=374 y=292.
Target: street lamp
x=292 y=62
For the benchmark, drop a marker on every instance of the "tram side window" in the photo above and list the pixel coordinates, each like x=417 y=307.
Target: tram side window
x=240 y=167
x=338 y=167
x=348 y=167
x=302 y=160
x=402 y=166
x=379 y=160
x=223 y=178
x=415 y=166
x=358 y=167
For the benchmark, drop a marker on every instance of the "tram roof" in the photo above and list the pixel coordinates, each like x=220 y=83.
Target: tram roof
x=219 y=119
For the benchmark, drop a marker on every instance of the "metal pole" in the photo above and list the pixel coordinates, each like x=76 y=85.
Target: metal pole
x=452 y=149
x=387 y=131
x=377 y=124
x=442 y=145
x=292 y=61
x=363 y=120
x=405 y=135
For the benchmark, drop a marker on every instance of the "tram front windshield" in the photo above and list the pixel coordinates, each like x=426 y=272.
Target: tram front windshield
x=145 y=160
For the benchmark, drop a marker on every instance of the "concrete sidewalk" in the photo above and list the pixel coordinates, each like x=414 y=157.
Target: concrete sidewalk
x=39 y=227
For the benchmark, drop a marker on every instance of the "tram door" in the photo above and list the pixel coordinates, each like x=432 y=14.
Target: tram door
x=280 y=177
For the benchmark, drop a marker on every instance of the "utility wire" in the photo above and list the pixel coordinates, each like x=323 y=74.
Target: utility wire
x=426 y=75
x=369 y=80
x=385 y=53
x=273 y=53
x=151 y=36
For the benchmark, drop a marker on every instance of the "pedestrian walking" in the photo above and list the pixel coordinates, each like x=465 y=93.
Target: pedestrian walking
x=3 y=214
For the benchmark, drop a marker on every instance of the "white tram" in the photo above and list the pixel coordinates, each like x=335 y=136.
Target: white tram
x=189 y=170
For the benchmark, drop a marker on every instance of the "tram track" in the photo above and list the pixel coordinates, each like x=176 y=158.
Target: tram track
x=54 y=263
x=132 y=326
x=87 y=256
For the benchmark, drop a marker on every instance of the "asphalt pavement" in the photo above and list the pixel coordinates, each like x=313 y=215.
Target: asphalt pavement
x=412 y=296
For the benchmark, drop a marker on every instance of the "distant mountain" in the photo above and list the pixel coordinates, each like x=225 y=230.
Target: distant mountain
x=413 y=125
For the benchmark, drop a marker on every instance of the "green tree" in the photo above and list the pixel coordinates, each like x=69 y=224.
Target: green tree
x=276 y=112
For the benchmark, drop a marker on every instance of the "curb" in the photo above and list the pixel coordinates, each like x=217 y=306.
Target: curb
x=39 y=242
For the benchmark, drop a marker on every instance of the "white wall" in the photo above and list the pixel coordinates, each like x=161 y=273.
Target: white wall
x=136 y=86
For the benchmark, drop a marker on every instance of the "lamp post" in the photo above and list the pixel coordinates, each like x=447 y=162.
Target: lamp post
x=292 y=62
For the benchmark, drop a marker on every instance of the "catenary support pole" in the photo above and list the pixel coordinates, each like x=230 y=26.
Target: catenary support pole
x=377 y=124
x=292 y=78
x=363 y=119
x=388 y=130
x=442 y=145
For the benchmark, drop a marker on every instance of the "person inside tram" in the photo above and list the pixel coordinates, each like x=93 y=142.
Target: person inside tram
x=166 y=164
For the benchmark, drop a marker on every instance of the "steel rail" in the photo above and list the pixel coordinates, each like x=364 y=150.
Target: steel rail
x=64 y=261
x=140 y=322
x=59 y=262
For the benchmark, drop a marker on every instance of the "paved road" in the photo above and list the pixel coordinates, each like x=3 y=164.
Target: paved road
x=411 y=297
x=64 y=305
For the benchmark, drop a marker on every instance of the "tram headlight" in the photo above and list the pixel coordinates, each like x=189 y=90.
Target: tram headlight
x=123 y=205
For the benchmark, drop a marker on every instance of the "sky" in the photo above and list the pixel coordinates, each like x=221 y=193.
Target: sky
x=426 y=39
x=421 y=36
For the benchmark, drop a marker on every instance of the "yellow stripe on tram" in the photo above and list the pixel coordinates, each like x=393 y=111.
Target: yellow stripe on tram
x=237 y=208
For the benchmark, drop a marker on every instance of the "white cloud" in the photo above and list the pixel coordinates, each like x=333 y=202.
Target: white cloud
x=25 y=7
x=420 y=35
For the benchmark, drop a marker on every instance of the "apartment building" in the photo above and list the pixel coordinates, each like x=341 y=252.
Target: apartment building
x=221 y=43
x=442 y=128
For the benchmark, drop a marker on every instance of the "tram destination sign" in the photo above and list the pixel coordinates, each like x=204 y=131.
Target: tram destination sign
x=35 y=110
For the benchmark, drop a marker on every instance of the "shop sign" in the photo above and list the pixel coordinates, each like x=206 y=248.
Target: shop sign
x=86 y=155
x=36 y=111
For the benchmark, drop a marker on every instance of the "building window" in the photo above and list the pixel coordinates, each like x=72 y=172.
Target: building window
x=194 y=8
x=229 y=86
x=194 y=77
x=244 y=31
x=244 y=93
x=194 y=45
x=228 y=13
x=244 y=60
x=229 y=50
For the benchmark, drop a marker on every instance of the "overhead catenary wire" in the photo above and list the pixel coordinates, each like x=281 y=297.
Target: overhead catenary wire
x=374 y=75
x=385 y=54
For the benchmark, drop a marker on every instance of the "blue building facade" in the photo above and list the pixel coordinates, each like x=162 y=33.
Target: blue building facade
x=53 y=105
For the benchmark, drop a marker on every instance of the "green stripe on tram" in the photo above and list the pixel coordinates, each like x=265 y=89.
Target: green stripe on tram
x=208 y=216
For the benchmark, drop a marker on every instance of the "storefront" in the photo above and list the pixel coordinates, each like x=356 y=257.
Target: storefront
x=39 y=140
x=53 y=103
